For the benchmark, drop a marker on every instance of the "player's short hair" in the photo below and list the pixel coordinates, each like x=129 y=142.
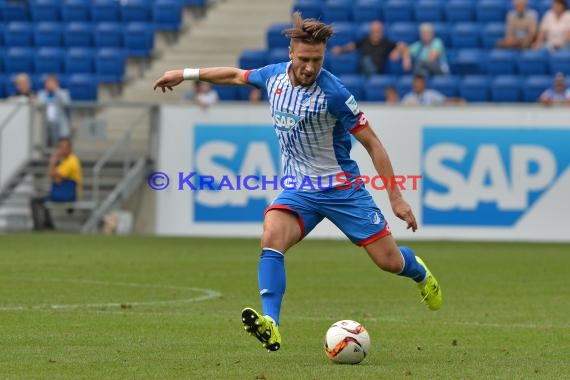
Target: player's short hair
x=309 y=31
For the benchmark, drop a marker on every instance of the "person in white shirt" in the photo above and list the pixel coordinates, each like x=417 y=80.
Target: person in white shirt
x=55 y=99
x=554 y=31
x=203 y=95
x=423 y=96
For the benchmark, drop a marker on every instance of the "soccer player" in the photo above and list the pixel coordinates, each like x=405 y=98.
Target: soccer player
x=314 y=116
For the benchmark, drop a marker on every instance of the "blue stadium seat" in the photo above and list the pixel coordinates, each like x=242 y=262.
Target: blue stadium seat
x=364 y=29
x=19 y=60
x=139 y=39
x=442 y=31
x=344 y=32
x=469 y=62
x=492 y=33
x=309 y=8
x=506 y=89
x=136 y=11
x=533 y=62
x=543 y=7
x=76 y=10
x=108 y=34
x=110 y=65
x=10 y=85
x=106 y=11
x=253 y=59
x=49 y=60
x=337 y=11
x=502 y=62
x=14 y=11
x=226 y=93
x=466 y=35
x=367 y=10
x=18 y=34
x=429 y=11
x=490 y=11
x=167 y=15
x=1 y=35
x=2 y=87
x=78 y=34
x=404 y=85
x=48 y=34
x=393 y=67
x=45 y=10
x=376 y=85
x=82 y=87
x=560 y=62
x=195 y=3
x=354 y=83
x=398 y=11
x=80 y=61
x=448 y=85
x=343 y=64
x=459 y=11
x=278 y=55
x=243 y=93
x=475 y=88
x=534 y=86
x=275 y=37
x=403 y=32
x=2 y=58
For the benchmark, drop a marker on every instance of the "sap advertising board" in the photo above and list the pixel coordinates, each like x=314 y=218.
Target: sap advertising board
x=506 y=181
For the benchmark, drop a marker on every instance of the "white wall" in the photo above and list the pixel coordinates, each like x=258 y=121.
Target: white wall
x=488 y=172
x=14 y=140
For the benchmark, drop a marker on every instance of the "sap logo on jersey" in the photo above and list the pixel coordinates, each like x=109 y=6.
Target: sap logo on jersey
x=489 y=177
x=231 y=151
x=285 y=121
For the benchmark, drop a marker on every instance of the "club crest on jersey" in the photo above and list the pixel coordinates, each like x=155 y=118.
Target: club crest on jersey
x=285 y=121
x=352 y=105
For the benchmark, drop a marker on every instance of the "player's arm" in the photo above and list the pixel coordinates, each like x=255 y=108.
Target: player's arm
x=215 y=75
x=383 y=166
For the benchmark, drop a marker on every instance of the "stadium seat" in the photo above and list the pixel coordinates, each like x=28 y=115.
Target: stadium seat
x=492 y=33
x=48 y=34
x=337 y=11
x=14 y=11
x=136 y=11
x=404 y=85
x=195 y=3
x=560 y=62
x=309 y=8
x=475 y=88
x=490 y=11
x=278 y=55
x=253 y=59
x=227 y=93
x=18 y=34
x=403 y=32
x=393 y=67
x=469 y=62
x=459 y=11
x=78 y=34
x=506 y=89
x=110 y=65
x=80 y=61
x=139 y=39
x=275 y=37
x=376 y=85
x=398 y=11
x=442 y=31
x=45 y=10
x=466 y=35
x=108 y=34
x=344 y=33
x=534 y=86
x=2 y=87
x=533 y=62
x=429 y=11
x=243 y=93
x=167 y=15
x=448 y=85
x=19 y=60
x=343 y=64
x=82 y=87
x=76 y=10
x=49 y=60
x=106 y=11
x=502 y=62
x=543 y=7
x=367 y=10
x=354 y=83
x=2 y=58
x=1 y=35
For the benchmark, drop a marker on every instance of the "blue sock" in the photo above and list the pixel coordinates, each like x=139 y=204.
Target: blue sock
x=412 y=268
x=271 y=278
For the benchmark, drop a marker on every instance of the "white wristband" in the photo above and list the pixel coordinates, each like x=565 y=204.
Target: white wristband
x=191 y=74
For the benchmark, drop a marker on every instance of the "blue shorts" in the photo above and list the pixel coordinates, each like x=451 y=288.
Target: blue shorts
x=354 y=212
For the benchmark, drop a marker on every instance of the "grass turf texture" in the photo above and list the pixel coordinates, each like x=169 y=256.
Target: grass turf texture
x=505 y=313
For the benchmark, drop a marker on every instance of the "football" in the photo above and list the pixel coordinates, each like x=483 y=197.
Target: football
x=347 y=342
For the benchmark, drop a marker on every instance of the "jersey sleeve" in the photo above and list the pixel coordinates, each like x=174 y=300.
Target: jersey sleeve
x=259 y=77
x=345 y=108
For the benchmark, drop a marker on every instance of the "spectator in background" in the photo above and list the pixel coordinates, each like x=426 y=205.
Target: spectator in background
x=422 y=96
x=24 y=93
x=55 y=100
x=255 y=95
x=375 y=50
x=554 y=31
x=522 y=25
x=65 y=171
x=428 y=53
x=204 y=95
x=391 y=95
x=558 y=94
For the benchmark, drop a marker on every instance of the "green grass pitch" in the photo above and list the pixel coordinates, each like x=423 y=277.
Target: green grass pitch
x=74 y=307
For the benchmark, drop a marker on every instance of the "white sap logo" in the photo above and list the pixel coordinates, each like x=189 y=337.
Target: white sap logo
x=285 y=121
x=486 y=180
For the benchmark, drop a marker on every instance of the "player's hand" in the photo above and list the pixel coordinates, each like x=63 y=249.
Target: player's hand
x=169 y=79
x=403 y=211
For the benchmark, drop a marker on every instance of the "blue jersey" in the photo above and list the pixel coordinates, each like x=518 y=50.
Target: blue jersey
x=313 y=124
